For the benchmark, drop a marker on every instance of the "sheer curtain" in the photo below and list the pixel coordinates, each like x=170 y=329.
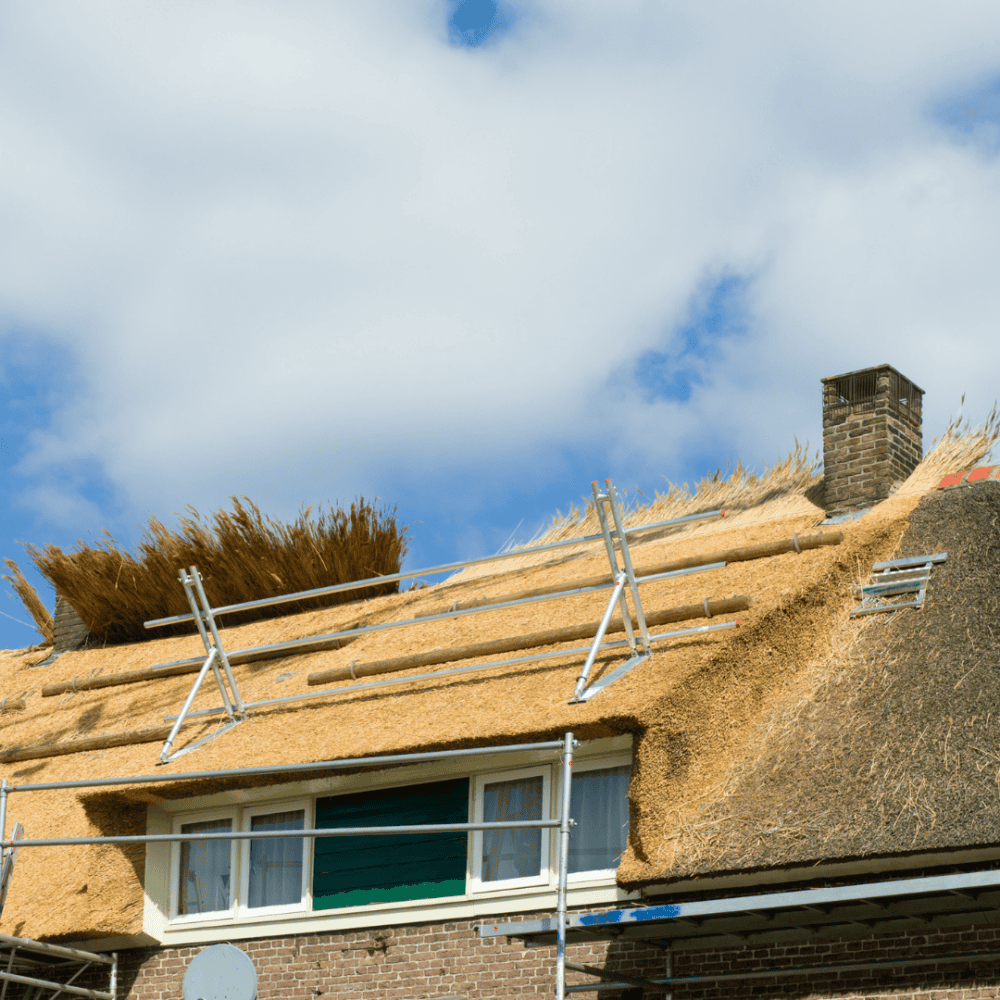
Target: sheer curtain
x=205 y=868
x=512 y=853
x=276 y=864
x=599 y=804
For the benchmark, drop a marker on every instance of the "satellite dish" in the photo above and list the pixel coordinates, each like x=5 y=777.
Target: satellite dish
x=221 y=972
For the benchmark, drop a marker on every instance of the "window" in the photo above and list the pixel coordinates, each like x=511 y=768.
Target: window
x=274 y=874
x=351 y=871
x=205 y=867
x=599 y=804
x=269 y=874
x=288 y=878
x=512 y=857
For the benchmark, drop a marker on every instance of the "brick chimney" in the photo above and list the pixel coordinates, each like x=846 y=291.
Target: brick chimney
x=71 y=633
x=871 y=436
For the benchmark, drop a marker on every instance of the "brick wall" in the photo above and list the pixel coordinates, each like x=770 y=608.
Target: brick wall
x=450 y=961
x=944 y=979
x=871 y=443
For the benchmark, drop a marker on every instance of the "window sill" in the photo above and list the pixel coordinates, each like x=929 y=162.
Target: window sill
x=190 y=930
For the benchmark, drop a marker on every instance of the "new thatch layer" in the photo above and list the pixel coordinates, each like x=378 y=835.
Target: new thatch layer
x=241 y=555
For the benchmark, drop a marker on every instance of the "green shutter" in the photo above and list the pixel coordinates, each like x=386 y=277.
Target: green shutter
x=351 y=871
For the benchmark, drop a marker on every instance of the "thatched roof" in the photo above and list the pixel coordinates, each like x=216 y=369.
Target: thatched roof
x=699 y=709
x=889 y=745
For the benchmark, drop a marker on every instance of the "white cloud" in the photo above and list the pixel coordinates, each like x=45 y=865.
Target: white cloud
x=301 y=250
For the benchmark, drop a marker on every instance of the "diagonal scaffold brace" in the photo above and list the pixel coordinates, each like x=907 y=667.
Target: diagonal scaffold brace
x=625 y=586
x=232 y=702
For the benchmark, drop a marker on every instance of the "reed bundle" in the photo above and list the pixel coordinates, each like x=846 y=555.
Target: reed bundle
x=241 y=554
x=31 y=601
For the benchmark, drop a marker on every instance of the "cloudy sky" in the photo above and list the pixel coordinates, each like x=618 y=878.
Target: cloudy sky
x=467 y=258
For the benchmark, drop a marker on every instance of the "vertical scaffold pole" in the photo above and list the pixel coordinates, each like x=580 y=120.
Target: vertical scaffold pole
x=563 y=861
x=3 y=809
x=10 y=966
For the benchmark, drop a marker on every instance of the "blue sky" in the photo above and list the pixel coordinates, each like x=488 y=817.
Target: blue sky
x=468 y=257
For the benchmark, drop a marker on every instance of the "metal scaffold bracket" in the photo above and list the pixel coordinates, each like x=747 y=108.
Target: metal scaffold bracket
x=208 y=630
x=625 y=586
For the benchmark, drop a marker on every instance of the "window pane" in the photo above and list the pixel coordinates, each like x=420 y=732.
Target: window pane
x=205 y=864
x=512 y=853
x=599 y=804
x=276 y=865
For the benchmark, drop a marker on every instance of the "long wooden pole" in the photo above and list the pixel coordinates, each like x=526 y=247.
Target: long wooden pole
x=191 y=666
x=89 y=743
x=742 y=554
x=569 y=633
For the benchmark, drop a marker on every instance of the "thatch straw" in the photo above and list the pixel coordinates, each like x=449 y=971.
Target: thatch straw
x=780 y=781
x=958 y=449
x=241 y=555
x=31 y=601
x=743 y=489
x=694 y=709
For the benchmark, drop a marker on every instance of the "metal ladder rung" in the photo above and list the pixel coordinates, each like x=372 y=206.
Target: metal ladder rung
x=896 y=578
x=937 y=557
x=917 y=573
x=883 y=589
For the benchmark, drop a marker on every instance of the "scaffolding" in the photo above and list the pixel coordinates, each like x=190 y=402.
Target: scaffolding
x=562 y=823
x=625 y=597
x=41 y=967
x=813 y=915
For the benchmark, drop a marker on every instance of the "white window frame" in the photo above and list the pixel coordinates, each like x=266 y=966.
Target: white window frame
x=243 y=909
x=202 y=816
x=597 y=764
x=474 y=881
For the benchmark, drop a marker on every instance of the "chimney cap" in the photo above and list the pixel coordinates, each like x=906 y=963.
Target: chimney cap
x=873 y=368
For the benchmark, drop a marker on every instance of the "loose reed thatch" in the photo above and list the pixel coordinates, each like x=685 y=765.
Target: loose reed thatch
x=241 y=554
x=794 y=476
x=786 y=483
x=959 y=448
x=31 y=601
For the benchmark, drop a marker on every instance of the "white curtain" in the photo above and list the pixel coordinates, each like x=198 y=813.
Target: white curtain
x=205 y=868
x=276 y=864
x=512 y=853
x=599 y=804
